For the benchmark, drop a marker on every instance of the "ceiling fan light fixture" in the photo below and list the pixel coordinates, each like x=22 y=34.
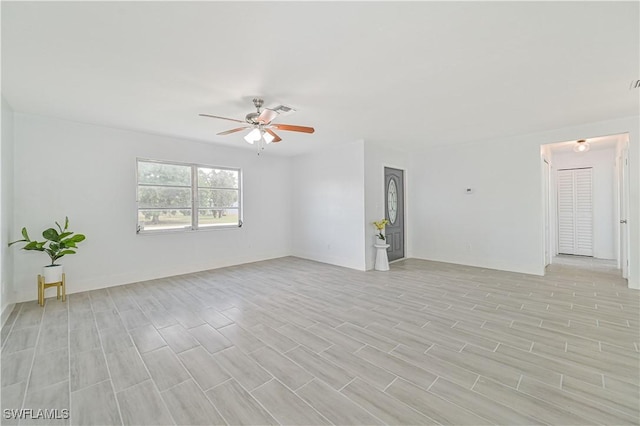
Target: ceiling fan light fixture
x=253 y=136
x=268 y=137
x=261 y=129
x=582 y=146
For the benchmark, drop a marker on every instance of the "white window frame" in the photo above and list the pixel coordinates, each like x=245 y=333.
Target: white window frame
x=195 y=208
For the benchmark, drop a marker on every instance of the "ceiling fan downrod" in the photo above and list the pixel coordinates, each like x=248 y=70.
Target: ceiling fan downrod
x=258 y=102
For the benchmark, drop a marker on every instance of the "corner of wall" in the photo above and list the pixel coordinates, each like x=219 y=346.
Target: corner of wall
x=6 y=209
x=328 y=205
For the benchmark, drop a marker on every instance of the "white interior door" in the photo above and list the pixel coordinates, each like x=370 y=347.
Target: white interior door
x=575 y=211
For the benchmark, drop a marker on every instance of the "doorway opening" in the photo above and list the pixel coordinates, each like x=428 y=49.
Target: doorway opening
x=585 y=201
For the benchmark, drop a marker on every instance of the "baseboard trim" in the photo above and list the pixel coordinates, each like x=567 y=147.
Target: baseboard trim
x=130 y=278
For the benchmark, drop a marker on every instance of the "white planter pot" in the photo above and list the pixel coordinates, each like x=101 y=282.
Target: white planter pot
x=52 y=273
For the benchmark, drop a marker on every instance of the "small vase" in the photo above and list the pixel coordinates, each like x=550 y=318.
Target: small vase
x=378 y=241
x=52 y=273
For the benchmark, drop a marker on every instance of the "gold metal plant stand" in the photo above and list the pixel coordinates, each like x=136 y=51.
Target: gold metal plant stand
x=42 y=286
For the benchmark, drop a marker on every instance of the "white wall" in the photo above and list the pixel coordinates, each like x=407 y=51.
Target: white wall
x=603 y=163
x=496 y=226
x=328 y=205
x=501 y=224
x=88 y=173
x=376 y=158
x=6 y=211
x=318 y=206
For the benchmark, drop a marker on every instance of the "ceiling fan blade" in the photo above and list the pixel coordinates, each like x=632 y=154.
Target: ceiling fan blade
x=276 y=138
x=266 y=116
x=293 y=128
x=232 y=131
x=222 y=118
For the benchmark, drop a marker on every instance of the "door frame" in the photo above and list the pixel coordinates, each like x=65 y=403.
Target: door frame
x=623 y=211
x=383 y=191
x=546 y=194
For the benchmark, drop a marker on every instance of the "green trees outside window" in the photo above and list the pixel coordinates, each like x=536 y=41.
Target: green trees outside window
x=169 y=197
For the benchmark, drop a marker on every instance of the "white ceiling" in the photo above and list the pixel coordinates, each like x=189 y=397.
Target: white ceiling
x=408 y=74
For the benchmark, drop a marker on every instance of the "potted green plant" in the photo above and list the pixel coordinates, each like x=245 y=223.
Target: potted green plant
x=56 y=245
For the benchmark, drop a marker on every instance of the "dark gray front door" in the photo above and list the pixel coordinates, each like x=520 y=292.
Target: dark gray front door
x=394 y=202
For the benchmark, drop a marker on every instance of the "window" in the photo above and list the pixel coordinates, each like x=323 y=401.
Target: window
x=173 y=196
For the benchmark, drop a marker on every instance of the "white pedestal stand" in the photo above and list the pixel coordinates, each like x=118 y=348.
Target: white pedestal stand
x=382 y=261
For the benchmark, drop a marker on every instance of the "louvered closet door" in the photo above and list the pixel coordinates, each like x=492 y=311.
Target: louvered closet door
x=575 y=212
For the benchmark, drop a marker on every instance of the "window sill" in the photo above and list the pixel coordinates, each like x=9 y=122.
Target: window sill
x=187 y=230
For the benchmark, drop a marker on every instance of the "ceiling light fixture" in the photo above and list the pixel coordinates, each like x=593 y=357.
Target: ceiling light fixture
x=259 y=137
x=261 y=124
x=268 y=138
x=581 y=146
x=253 y=136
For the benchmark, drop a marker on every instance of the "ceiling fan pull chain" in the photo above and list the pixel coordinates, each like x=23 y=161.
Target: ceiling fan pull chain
x=260 y=145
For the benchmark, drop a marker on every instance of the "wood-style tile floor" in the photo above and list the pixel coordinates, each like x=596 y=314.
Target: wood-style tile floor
x=290 y=341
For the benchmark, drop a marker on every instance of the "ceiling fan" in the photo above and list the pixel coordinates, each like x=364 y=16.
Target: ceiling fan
x=261 y=123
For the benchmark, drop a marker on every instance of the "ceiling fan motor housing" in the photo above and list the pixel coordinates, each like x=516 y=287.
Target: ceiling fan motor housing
x=252 y=118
